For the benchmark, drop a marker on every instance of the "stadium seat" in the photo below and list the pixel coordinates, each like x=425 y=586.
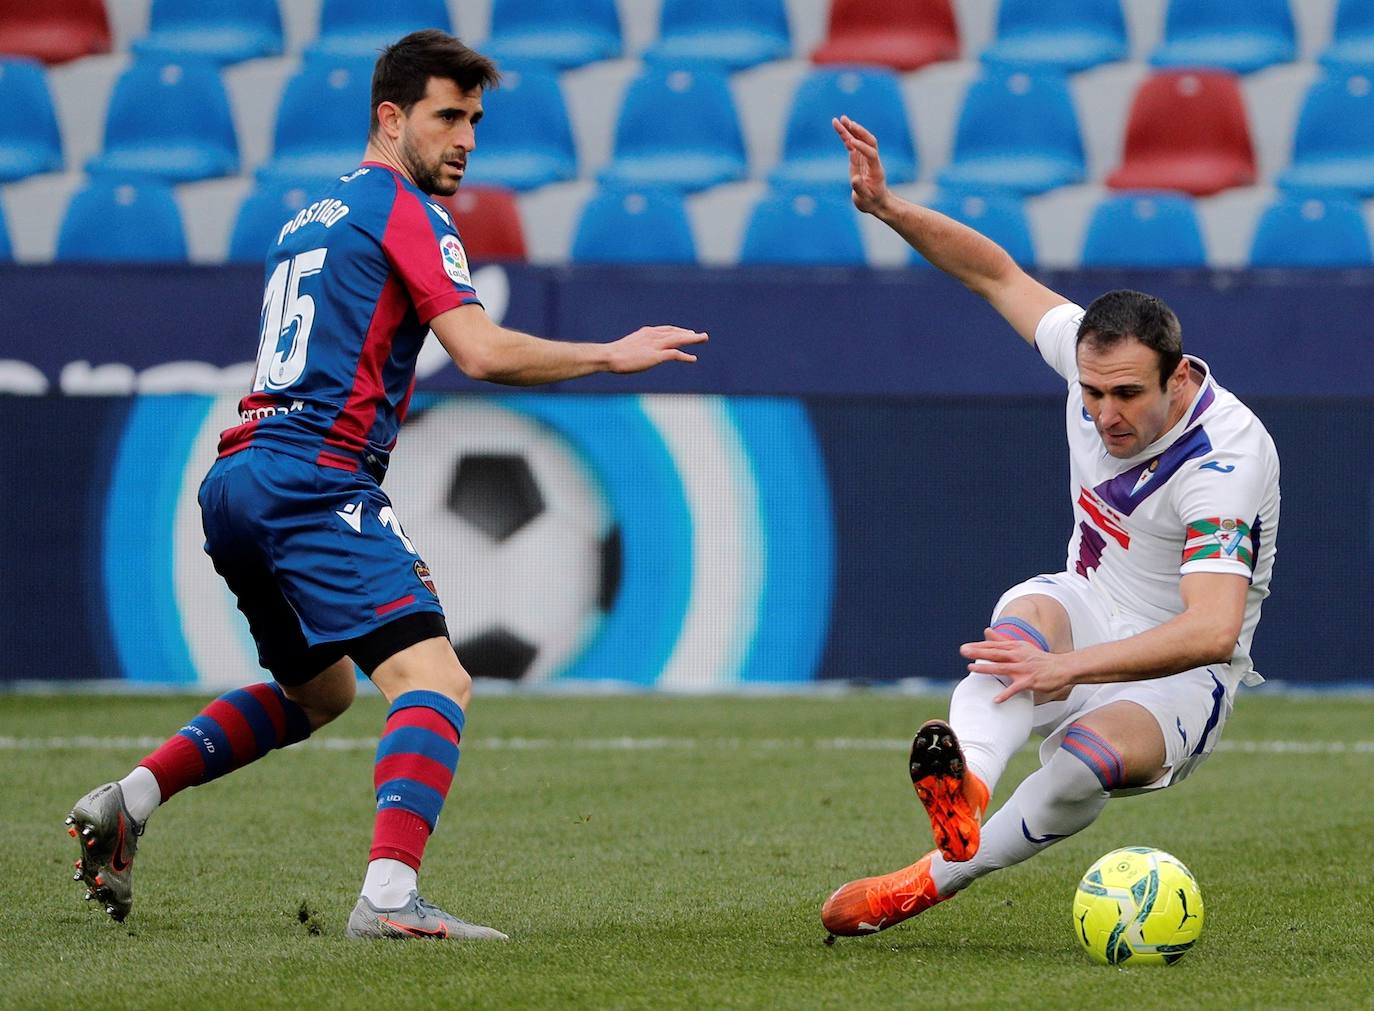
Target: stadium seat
x=53 y=31
x=1063 y=35
x=1017 y=131
x=191 y=136
x=1333 y=147
x=321 y=122
x=122 y=221
x=677 y=127
x=792 y=227
x=228 y=33
x=728 y=32
x=6 y=253
x=812 y=154
x=554 y=31
x=261 y=217
x=1187 y=131
x=363 y=27
x=488 y=219
x=1241 y=37
x=1352 y=42
x=524 y=139
x=999 y=215
x=646 y=225
x=903 y=36
x=1297 y=231
x=30 y=143
x=1144 y=230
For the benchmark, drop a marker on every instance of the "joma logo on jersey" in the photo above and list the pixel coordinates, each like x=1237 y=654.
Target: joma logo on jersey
x=326 y=212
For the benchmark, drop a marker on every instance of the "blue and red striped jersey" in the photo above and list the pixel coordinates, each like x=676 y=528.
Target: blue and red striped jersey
x=352 y=283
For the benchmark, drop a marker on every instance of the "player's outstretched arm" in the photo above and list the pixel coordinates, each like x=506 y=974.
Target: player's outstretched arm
x=497 y=354
x=982 y=265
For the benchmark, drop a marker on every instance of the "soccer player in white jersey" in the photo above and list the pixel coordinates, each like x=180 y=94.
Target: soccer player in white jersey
x=1128 y=660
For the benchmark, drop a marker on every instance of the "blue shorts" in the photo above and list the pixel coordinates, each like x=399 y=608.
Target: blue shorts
x=316 y=558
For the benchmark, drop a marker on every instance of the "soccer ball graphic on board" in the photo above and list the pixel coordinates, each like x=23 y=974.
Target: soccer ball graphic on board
x=1137 y=906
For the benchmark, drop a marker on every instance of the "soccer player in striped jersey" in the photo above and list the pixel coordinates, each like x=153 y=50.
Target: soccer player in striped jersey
x=294 y=515
x=1129 y=659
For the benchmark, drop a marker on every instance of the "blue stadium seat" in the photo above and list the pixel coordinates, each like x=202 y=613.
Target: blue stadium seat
x=1144 y=230
x=1018 y=131
x=169 y=121
x=1352 y=42
x=999 y=215
x=1333 y=146
x=30 y=143
x=122 y=221
x=1063 y=35
x=554 y=31
x=222 y=33
x=794 y=227
x=813 y=155
x=363 y=27
x=524 y=139
x=732 y=33
x=677 y=127
x=1242 y=37
x=260 y=218
x=321 y=122
x=6 y=253
x=634 y=226
x=1297 y=231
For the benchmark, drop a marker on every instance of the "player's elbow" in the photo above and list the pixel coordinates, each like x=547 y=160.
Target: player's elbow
x=1217 y=641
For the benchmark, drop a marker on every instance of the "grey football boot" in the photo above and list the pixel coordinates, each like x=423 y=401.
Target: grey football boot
x=417 y=918
x=108 y=837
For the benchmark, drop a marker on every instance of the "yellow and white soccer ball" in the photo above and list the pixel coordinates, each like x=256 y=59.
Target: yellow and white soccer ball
x=1137 y=906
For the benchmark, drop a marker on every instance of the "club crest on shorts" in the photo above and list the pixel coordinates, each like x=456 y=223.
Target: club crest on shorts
x=423 y=574
x=455 y=260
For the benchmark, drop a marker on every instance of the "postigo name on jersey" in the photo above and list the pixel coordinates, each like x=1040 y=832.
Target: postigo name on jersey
x=326 y=212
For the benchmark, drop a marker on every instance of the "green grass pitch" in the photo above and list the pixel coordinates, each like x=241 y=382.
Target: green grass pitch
x=666 y=852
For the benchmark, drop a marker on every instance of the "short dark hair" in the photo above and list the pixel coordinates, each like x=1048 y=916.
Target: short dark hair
x=403 y=70
x=1120 y=314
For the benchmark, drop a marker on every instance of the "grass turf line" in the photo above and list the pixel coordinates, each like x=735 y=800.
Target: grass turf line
x=672 y=877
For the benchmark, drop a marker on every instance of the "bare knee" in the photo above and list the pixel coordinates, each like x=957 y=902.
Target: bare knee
x=1048 y=617
x=430 y=665
x=327 y=695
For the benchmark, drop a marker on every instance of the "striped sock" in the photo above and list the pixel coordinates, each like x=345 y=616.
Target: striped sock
x=1097 y=754
x=235 y=729
x=1015 y=628
x=416 y=759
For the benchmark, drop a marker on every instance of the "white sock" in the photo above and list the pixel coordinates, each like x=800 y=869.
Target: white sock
x=989 y=732
x=142 y=795
x=1052 y=803
x=389 y=883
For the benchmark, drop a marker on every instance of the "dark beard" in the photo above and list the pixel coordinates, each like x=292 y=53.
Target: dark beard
x=427 y=177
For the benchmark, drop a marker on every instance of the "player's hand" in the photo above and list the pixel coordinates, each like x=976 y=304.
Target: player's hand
x=652 y=345
x=1026 y=667
x=867 y=180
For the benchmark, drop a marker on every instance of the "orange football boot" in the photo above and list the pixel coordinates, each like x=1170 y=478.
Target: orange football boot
x=953 y=797
x=872 y=904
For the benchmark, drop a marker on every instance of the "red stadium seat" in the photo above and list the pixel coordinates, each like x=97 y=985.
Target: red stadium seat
x=902 y=34
x=489 y=222
x=1187 y=131
x=54 y=30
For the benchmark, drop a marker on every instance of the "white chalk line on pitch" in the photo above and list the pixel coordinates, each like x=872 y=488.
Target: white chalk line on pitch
x=92 y=743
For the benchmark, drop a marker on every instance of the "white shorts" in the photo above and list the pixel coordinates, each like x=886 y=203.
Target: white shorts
x=1190 y=707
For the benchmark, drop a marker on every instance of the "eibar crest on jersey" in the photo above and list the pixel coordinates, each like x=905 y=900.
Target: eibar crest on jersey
x=1218 y=538
x=455 y=261
x=1145 y=476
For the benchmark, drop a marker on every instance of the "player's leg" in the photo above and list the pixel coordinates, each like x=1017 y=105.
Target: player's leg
x=427 y=691
x=955 y=765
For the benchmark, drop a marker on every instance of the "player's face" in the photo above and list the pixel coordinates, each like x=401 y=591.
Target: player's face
x=1122 y=394
x=439 y=133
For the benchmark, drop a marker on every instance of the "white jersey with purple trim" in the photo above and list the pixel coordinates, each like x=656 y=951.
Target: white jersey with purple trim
x=1203 y=497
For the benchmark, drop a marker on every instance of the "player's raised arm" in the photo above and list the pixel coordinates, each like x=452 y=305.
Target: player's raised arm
x=979 y=263
x=485 y=350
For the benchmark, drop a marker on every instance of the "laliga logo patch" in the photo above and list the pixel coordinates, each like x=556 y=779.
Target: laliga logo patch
x=455 y=262
x=422 y=571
